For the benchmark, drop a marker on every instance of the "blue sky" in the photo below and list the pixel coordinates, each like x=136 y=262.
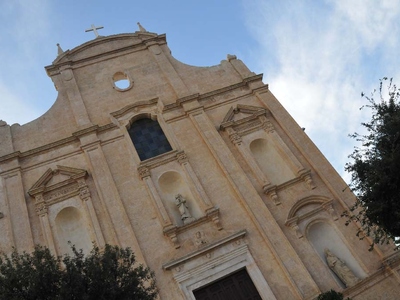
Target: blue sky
x=316 y=56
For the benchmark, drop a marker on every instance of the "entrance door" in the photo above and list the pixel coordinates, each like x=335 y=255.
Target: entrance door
x=236 y=286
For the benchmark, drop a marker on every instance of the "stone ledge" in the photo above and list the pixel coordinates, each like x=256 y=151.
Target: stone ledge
x=174 y=263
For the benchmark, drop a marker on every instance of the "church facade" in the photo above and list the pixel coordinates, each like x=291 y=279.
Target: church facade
x=199 y=170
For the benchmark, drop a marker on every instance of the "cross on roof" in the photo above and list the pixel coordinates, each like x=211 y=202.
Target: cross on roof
x=94 y=29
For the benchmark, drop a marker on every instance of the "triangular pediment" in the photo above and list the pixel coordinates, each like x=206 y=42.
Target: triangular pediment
x=242 y=113
x=58 y=177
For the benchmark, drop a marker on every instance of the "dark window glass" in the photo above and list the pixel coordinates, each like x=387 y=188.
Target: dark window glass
x=148 y=138
x=237 y=286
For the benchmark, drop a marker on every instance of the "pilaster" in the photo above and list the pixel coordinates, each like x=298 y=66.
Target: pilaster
x=173 y=78
x=108 y=191
x=291 y=265
x=13 y=191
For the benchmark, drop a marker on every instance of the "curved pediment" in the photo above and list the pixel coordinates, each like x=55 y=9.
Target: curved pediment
x=309 y=206
x=106 y=45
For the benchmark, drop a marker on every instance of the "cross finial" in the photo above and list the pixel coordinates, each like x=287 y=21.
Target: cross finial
x=94 y=29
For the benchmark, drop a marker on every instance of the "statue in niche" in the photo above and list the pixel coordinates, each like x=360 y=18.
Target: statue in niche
x=180 y=202
x=340 y=268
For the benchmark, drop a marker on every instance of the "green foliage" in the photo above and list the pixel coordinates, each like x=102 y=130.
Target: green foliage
x=331 y=295
x=375 y=168
x=110 y=273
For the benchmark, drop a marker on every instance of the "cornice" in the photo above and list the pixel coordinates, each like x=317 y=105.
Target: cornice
x=67 y=58
x=176 y=262
x=213 y=93
x=64 y=141
x=123 y=111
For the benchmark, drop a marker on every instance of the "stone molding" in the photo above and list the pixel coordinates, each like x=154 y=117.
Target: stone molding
x=323 y=204
x=140 y=41
x=48 y=194
x=258 y=119
x=170 y=230
x=230 y=238
x=205 y=96
x=214 y=261
x=56 y=144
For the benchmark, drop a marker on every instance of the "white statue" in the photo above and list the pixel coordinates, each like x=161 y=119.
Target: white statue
x=183 y=209
x=340 y=268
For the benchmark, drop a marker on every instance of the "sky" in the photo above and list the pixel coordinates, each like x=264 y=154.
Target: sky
x=316 y=56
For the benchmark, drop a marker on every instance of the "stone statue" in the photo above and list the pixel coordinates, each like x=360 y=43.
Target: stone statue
x=340 y=268
x=183 y=209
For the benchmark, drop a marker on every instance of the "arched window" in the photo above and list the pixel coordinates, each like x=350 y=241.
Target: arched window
x=148 y=138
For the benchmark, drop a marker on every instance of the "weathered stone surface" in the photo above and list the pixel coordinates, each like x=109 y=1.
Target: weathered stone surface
x=260 y=194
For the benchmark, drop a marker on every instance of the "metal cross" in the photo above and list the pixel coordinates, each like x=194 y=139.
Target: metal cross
x=94 y=29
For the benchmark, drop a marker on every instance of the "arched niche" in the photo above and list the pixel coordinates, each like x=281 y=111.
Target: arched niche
x=271 y=161
x=70 y=227
x=323 y=236
x=172 y=183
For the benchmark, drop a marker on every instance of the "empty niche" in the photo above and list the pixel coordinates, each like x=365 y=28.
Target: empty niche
x=171 y=184
x=121 y=81
x=323 y=236
x=71 y=228
x=270 y=161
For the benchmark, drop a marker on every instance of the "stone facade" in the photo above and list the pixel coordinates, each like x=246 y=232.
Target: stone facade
x=256 y=193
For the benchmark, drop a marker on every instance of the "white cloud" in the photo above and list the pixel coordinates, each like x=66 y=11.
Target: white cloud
x=325 y=55
x=14 y=109
x=27 y=26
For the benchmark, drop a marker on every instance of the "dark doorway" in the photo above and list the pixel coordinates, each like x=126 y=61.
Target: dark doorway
x=236 y=286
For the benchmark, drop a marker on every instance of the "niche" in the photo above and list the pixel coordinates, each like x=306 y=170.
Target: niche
x=323 y=236
x=270 y=161
x=171 y=184
x=70 y=227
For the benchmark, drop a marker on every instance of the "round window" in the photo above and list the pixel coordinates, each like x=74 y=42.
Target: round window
x=121 y=81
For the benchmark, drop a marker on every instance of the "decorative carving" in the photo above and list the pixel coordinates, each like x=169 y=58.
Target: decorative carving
x=143 y=172
x=235 y=138
x=170 y=231
x=178 y=269
x=81 y=183
x=306 y=176
x=60 y=193
x=45 y=192
x=84 y=193
x=180 y=202
x=39 y=198
x=267 y=124
x=182 y=158
x=329 y=208
x=67 y=74
x=213 y=215
x=293 y=223
x=270 y=191
x=41 y=208
x=296 y=228
x=200 y=238
x=340 y=268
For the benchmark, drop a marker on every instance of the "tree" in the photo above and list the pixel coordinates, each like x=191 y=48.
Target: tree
x=111 y=273
x=331 y=295
x=375 y=169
